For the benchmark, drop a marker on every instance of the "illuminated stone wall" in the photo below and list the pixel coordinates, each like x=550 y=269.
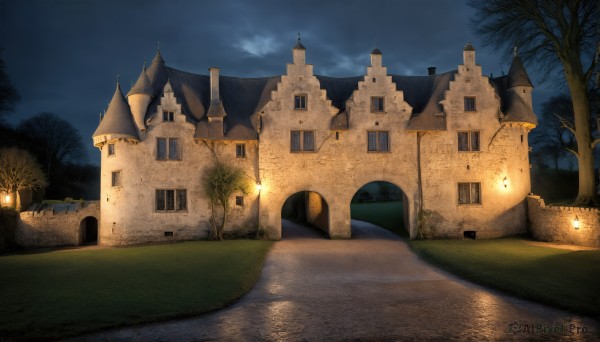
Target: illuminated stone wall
x=54 y=225
x=556 y=223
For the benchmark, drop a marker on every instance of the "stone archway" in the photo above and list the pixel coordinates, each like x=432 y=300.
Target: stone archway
x=307 y=207
x=88 y=231
x=382 y=203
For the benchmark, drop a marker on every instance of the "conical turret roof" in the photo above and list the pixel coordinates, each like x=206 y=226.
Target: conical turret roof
x=142 y=85
x=157 y=73
x=118 y=120
x=517 y=75
x=376 y=51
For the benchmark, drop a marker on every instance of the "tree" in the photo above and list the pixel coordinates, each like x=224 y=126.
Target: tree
x=19 y=171
x=220 y=182
x=55 y=140
x=9 y=96
x=551 y=33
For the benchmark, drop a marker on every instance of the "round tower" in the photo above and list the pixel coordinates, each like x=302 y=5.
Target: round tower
x=115 y=136
x=139 y=98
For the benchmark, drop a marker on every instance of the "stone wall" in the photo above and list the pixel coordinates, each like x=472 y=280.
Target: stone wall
x=55 y=225
x=556 y=223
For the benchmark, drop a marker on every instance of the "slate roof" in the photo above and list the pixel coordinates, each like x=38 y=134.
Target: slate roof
x=118 y=120
x=242 y=99
x=142 y=85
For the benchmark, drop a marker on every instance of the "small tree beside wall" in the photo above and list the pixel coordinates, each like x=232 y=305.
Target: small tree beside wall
x=220 y=182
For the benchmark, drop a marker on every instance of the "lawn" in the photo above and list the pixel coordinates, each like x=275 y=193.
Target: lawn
x=69 y=292
x=561 y=278
x=388 y=215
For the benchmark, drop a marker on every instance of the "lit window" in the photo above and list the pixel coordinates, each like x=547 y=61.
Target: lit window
x=240 y=150
x=302 y=141
x=469 y=193
x=168 y=116
x=111 y=149
x=171 y=200
x=115 y=178
x=470 y=104
x=378 y=141
x=377 y=104
x=300 y=101
x=167 y=149
x=468 y=141
x=239 y=201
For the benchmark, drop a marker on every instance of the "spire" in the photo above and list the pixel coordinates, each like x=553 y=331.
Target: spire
x=118 y=120
x=517 y=75
x=299 y=45
x=157 y=73
x=142 y=85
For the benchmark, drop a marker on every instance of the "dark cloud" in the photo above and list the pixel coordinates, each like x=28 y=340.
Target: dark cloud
x=63 y=56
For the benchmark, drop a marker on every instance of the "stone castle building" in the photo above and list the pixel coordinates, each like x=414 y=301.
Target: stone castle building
x=455 y=143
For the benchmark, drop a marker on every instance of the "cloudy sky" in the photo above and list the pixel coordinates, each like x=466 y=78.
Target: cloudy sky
x=63 y=56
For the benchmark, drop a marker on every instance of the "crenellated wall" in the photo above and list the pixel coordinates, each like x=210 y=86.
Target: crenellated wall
x=556 y=223
x=55 y=225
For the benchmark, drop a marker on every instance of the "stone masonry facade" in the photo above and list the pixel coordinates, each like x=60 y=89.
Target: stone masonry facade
x=455 y=143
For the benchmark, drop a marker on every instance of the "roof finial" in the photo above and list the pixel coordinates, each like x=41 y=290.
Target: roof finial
x=298 y=37
x=144 y=64
x=158 y=45
x=117 y=77
x=515 y=49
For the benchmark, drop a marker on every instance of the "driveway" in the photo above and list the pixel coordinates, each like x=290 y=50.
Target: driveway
x=371 y=287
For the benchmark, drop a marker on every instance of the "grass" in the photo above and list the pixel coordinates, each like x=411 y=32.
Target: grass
x=388 y=215
x=561 y=278
x=56 y=294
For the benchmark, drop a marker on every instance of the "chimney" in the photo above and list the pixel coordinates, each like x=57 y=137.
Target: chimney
x=431 y=71
x=214 y=84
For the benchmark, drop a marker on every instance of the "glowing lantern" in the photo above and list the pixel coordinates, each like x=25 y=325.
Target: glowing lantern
x=505 y=182
x=258 y=187
x=7 y=199
x=576 y=222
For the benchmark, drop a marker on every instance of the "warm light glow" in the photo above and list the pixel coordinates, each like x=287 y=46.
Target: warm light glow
x=576 y=222
x=505 y=182
x=258 y=187
x=7 y=199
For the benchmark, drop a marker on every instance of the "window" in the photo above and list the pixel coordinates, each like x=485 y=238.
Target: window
x=239 y=201
x=377 y=104
x=171 y=200
x=302 y=141
x=378 y=141
x=469 y=193
x=111 y=149
x=470 y=104
x=300 y=101
x=115 y=178
x=240 y=150
x=167 y=149
x=468 y=141
x=168 y=116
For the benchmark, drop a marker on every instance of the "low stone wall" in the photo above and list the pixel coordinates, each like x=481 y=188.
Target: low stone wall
x=55 y=225
x=555 y=223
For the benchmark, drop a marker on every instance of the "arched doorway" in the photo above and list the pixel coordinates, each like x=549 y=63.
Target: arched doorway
x=89 y=231
x=304 y=213
x=382 y=203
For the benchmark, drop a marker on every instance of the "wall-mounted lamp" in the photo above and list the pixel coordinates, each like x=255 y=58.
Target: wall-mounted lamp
x=258 y=187
x=576 y=222
x=7 y=199
x=505 y=182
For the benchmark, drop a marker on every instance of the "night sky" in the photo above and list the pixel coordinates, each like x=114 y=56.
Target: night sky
x=63 y=56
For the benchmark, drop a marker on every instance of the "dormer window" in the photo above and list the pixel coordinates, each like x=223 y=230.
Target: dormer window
x=300 y=101
x=377 y=104
x=470 y=104
x=168 y=116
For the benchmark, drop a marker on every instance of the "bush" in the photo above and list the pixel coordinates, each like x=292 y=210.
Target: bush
x=8 y=227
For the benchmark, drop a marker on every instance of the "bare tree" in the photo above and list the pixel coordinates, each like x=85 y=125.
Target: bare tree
x=9 y=96
x=551 y=33
x=19 y=171
x=57 y=141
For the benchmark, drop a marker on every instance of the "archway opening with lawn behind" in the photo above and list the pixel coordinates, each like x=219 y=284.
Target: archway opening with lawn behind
x=305 y=210
x=88 y=229
x=384 y=204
